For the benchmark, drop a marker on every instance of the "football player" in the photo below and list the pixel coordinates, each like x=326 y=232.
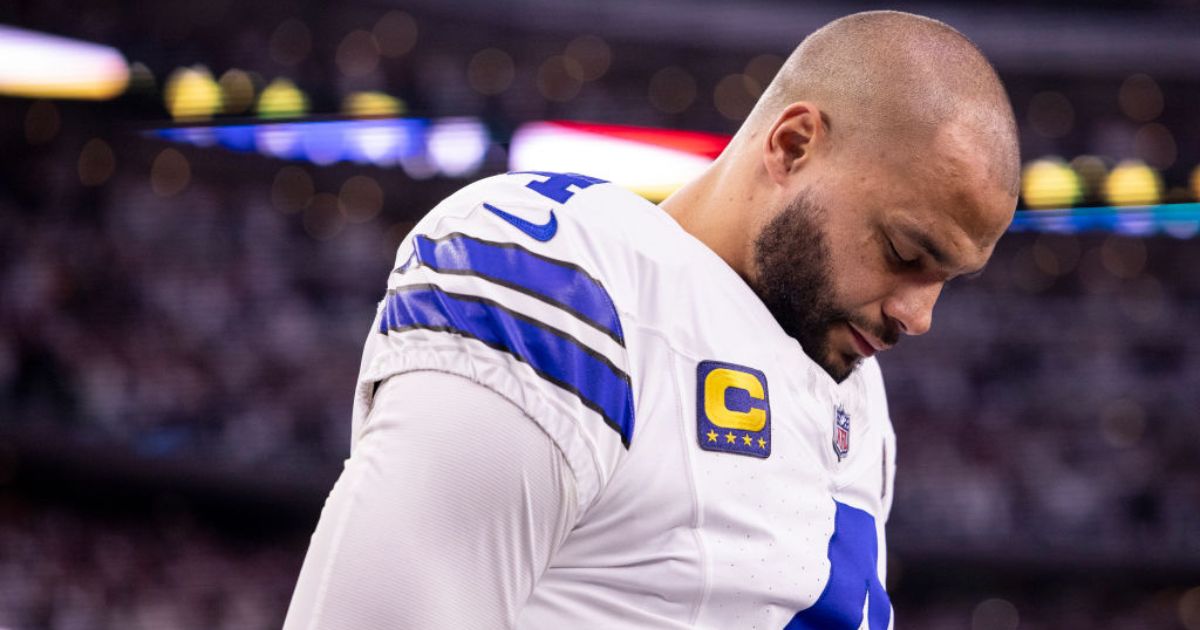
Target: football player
x=577 y=409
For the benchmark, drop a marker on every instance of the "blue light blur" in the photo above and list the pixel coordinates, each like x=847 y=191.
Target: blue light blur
x=1181 y=220
x=383 y=142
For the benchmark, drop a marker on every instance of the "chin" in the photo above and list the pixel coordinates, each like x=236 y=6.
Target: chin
x=840 y=366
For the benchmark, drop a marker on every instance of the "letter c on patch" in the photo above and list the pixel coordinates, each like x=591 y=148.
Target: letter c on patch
x=718 y=384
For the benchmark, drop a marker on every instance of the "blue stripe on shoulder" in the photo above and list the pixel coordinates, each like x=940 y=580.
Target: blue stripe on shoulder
x=555 y=282
x=553 y=354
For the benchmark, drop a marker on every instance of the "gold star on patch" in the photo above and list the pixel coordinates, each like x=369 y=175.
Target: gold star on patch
x=730 y=437
x=712 y=435
x=762 y=443
x=748 y=440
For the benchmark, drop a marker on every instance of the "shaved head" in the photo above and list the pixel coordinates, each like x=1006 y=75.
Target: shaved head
x=879 y=164
x=887 y=76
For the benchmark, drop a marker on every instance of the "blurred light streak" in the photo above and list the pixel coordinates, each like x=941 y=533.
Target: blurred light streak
x=1181 y=220
x=457 y=146
x=382 y=141
x=651 y=162
x=323 y=143
x=37 y=65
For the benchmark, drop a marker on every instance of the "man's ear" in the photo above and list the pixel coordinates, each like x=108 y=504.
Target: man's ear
x=790 y=141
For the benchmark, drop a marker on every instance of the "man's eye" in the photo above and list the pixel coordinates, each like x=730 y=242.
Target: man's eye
x=900 y=259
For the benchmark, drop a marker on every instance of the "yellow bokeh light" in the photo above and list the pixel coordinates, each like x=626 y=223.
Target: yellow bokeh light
x=96 y=163
x=1189 y=609
x=1050 y=183
x=672 y=90
x=763 y=68
x=395 y=33
x=1195 y=181
x=290 y=42
x=360 y=199
x=237 y=89
x=559 y=78
x=192 y=94
x=592 y=54
x=292 y=189
x=1091 y=171
x=358 y=54
x=735 y=95
x=491 y=71
x=1132 y=183
x=282 y=99
x=372 y=104
x=170 y=173
x=141 y=79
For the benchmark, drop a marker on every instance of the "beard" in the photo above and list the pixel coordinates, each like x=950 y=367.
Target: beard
x=794 y=279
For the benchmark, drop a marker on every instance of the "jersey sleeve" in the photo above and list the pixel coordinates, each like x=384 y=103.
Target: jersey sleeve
x=492 y=286
x=436 y=525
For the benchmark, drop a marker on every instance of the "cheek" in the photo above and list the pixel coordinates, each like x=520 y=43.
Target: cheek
x=859 y=277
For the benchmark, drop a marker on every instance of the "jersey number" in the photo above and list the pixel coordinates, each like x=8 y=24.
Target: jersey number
x=853 y=579
x=557 y=186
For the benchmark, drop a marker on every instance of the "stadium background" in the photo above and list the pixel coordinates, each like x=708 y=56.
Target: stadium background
x=187 y=274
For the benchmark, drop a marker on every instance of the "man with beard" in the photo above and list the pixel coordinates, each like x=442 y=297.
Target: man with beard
x=577 y=409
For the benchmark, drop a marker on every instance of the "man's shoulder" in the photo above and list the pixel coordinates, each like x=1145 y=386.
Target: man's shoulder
x=598 y=211
x=620 y=240
x=510 y=283
x=595 y=251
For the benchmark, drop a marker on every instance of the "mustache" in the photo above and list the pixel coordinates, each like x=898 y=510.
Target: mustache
x=889 y=334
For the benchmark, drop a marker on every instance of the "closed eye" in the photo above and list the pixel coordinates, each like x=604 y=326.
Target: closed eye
x=901 y=260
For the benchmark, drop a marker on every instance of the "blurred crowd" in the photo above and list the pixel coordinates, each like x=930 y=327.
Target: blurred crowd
x=1050 y=417
x=210 y=323
x=1049 y=420
x=64 y=571
x=69 y=570
x=1052 y=410
x=1053 y=404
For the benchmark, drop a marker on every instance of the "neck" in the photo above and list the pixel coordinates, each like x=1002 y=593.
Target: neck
x=715 y=209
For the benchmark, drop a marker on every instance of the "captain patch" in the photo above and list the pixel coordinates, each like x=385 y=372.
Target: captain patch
x=732 y=414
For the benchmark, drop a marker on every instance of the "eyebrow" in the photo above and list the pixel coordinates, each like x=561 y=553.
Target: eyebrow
x=939 y=256
x=924 y=242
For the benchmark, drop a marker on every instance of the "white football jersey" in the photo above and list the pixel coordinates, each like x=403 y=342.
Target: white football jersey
x=724 y=479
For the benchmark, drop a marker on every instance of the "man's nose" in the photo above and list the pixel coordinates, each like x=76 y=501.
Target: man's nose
x=911 y=306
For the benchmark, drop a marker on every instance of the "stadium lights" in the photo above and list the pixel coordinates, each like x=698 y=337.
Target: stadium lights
x=192 y=94
x=362 y=104
x=381 y=141
x=282 y=99
x=1133 y=184
x=38 y=65
x=457 y=146
x=1181 y=220
x=651 y=162
x=1050 y=183
x=655 y=162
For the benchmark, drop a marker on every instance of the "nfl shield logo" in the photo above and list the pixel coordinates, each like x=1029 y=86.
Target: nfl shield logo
x=841 y=432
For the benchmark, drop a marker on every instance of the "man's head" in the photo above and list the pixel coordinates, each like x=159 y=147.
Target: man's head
x=881 y=162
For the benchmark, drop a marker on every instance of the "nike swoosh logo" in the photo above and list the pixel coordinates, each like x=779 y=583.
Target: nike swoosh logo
x=543 y=232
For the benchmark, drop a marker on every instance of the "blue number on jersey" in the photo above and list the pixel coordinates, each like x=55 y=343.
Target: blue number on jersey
x=556 y=186
x=853 y=579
